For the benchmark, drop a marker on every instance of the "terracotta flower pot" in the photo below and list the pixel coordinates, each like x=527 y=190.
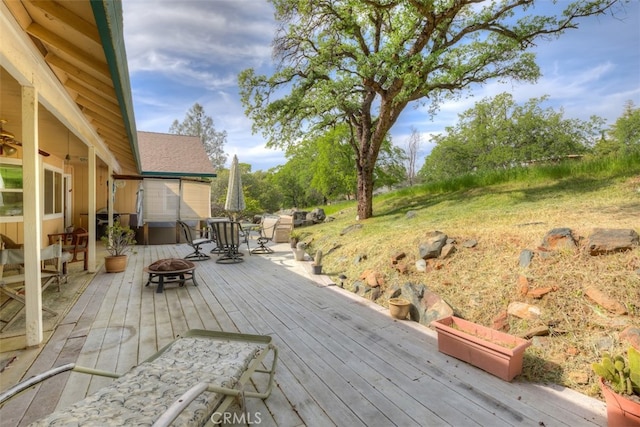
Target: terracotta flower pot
x=115 y=263
x=399 y=308
x=498 y=353
x=621 y=410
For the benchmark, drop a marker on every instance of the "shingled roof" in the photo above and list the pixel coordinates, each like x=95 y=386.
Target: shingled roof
x=163 y=154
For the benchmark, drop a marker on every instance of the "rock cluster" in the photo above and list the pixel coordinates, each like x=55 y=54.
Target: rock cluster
x=436 y=246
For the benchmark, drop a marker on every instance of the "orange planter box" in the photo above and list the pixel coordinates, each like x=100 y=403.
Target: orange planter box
x=496 y=352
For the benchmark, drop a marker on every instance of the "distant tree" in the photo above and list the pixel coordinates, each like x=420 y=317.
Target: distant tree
x=625 y=132
x=411 y=152
x=362 y=62
x=293 y=181
x=389 y=170
x=259 y=192
x=197 y=123
x=498 y=133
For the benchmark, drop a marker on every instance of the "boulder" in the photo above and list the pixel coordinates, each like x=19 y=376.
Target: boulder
x=426 y=306
x=559 y=239
x=433 y=245
x=607 y=240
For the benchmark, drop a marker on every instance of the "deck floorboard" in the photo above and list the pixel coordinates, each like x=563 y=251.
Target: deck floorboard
x=343 y=360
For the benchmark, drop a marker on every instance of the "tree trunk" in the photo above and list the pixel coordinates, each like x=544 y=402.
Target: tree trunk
x=365 y=192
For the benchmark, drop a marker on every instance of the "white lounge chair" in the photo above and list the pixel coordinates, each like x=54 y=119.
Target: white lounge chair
x=194 y=378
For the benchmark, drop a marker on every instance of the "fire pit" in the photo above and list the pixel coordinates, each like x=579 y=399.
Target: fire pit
x=170 y=270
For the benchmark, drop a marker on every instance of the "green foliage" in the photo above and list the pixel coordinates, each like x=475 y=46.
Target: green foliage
x=260 y=195
x=499 y=134
x=118 y=239
x=362 y=63
x=624 y=135
x=623 y=376
x=197 y=123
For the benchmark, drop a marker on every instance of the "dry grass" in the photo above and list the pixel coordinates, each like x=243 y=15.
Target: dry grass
x=479 y=283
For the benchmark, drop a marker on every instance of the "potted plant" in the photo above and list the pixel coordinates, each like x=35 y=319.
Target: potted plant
x=496 y=352
x=294 y=238
x=399 y=308
x=620 y=385
x=299 y=251
x=118 y=240
x=317 y=263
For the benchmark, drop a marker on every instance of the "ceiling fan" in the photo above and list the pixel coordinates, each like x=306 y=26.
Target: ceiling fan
x=8 y=142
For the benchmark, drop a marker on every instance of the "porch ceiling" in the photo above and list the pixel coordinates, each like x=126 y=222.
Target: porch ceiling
x=82 y=44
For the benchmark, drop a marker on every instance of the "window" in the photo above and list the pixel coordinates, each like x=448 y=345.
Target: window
x=52 y=192
x=10 y=189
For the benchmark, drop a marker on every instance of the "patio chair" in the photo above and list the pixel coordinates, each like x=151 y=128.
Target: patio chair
x=216 y=248
x=12 y=285
x=179 y=383
x=195 y=243
x=227 y=235
x=267 y=234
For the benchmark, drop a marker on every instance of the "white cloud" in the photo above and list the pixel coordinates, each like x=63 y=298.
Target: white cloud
x=182 y=52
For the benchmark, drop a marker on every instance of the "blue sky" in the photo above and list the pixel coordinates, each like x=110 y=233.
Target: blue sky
x=183 y=52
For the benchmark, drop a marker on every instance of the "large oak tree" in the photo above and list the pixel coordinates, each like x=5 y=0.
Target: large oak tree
x=362 y=62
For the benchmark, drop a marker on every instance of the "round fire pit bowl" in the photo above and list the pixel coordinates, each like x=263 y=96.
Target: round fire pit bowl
x=170 y=270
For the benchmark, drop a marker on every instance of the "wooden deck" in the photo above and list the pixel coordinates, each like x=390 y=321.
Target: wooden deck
x=343 y=360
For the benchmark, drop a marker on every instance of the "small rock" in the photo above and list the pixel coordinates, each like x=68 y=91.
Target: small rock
x=632 y=336
x=351 y=228
x=501 y=322
x=605 y=301
x=539 y=292
x=447 y=250
x=397 y=257
x=372 y=278
x=526 y=256
x=433 y=264
x=410 y=214
x=421 y=265
x=579 y=377
x=572 y=351
x=402 y=268
x=470 y=243
x=539 y=331
x=523 y=285
x=523 y=310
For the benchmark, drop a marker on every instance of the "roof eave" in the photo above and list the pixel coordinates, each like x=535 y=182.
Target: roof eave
x=108 y=16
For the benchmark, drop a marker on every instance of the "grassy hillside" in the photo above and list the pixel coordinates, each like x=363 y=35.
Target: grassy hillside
x=507 y=213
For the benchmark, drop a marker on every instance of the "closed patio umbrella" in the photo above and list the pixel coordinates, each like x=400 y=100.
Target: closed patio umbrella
x=235 y=196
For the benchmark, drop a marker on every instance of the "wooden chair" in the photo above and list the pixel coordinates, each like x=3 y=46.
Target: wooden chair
x=76 y=242
x=268 y=228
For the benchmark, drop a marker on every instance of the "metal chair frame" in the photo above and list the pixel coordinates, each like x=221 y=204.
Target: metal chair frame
x=195 y=243
x=267 y=234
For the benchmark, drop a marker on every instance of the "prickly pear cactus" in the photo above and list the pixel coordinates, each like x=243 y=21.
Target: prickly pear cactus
x=622 y=376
